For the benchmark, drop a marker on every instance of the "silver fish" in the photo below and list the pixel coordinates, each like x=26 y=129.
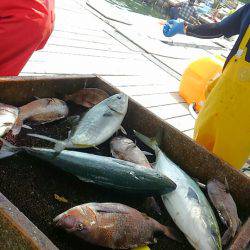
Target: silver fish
x=8 y=117
x=187 y=205
x=97 y=125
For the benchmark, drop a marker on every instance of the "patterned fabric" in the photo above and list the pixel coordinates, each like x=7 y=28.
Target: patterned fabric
x=187 y=11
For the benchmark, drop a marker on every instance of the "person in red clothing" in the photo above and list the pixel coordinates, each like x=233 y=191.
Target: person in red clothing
x=25 y=26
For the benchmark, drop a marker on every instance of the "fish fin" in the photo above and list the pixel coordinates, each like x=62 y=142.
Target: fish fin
x=141 y=247
x=26 y=126
x=8 y=149
x=123 y=130
x=43 y=137
x=226 y=185
x=147 y=153
x=107 y=113
x=17 y=127
x=171 y=233
x=85 y=146
x=59 y=145
x=201 y=185
x=114 y=110
x=50 y=100
x=153 y=165
x=107 y=208
x=147 y=141
x=192 y=195
x=151 y=204
x=83 y=179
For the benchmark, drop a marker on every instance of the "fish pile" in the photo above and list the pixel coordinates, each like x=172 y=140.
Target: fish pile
x=114 y=225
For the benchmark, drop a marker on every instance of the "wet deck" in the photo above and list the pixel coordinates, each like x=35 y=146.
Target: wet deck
x=125 y=49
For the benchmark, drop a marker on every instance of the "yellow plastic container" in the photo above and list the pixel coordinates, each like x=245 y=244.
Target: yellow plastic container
x=197 y=78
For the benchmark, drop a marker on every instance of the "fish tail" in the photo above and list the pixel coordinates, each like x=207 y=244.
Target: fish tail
x=171 y=233
x=46 y=138
x=59 y=146
x=150 y=142
x=8 y=149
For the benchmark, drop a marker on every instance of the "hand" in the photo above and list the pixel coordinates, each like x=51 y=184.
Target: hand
x=173 y=27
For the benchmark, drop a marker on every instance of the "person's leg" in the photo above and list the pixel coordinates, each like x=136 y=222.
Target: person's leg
x=174 y=13
x=25 y=26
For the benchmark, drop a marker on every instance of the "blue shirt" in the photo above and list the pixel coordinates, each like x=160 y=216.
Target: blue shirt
x=235 y=24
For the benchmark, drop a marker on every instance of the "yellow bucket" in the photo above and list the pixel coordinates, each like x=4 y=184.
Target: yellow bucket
x=197 y=78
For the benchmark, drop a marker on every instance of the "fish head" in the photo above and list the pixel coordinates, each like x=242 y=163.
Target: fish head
x=120 y=143
x=78 y=220
x=118 y=103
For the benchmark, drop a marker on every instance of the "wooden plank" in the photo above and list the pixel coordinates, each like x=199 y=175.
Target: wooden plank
x=157 y=47
x=84 y=38
x=150 y=90
x=178 y=65
x=182 y=123
x=52 y=49
x=122 y=40
x=158 y=99
x=170 y=111
x=79 y=64
x=189 y=133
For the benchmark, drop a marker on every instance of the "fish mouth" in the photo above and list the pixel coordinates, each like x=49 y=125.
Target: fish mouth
x=65 y=221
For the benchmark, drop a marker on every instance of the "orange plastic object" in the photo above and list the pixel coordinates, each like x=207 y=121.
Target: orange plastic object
x=197 y=77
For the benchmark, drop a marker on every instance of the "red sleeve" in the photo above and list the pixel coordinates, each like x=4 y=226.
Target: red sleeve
x=25 y=26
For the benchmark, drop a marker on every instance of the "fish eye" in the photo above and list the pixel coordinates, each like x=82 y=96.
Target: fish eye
x=119 y=97
x=80 y=227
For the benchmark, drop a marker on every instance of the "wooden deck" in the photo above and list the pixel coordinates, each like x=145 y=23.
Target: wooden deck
x=125 y=49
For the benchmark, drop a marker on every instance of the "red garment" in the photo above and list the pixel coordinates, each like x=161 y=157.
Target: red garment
x=25 y=26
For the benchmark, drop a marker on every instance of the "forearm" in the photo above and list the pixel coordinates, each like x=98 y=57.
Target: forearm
x=212 y=30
